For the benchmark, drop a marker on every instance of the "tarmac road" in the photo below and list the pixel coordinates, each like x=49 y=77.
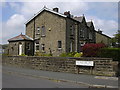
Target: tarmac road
x=12 y=80
x=28 y=78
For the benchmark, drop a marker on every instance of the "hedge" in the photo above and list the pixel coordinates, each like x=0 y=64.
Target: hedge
x=110 y=53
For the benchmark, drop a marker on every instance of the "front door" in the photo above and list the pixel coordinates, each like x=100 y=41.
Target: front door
x=20 y=49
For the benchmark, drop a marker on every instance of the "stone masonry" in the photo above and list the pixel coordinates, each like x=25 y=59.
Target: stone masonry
x=102 y=66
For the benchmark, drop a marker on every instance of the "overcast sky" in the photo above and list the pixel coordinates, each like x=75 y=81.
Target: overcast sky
x=15 y=14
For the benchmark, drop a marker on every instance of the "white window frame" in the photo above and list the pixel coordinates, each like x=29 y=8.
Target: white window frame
x=38 y=30
x=37 y=44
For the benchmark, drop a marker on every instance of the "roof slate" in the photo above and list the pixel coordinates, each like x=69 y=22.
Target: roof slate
x=89 y=24
x=79 y=18
x=46 y=9
x=20 y=37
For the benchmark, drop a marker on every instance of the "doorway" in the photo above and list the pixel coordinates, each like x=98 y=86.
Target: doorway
x=20 y=49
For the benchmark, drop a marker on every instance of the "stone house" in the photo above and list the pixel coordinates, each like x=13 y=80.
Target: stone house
x=49 y=31
x=21 y=44
x=102 y=38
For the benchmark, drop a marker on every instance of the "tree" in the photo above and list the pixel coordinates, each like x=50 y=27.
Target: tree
x=116 y=39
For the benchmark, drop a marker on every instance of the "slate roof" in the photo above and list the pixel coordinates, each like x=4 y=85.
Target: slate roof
x=89 y=24
x=46 y=9
x=79 y=18
x=20 y=37
x=103 y=34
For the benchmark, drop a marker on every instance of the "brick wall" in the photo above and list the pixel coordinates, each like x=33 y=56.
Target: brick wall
x=102 y=66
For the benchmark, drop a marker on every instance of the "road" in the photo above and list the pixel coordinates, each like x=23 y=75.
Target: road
x=15 y=80
x=29 y=78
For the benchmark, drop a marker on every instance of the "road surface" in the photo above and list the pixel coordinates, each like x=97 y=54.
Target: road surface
x=28 y=78
x=15 y=80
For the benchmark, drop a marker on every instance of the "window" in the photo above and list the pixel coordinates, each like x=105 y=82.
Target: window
x=72 y=30
x=71 y=47
x=28 y=46
x=43 y=30
x=83 y=33
x=37 y=41
x=43 y=47
x=38 y=30
x=90 y=35
x=36 y=45
x=59 y=44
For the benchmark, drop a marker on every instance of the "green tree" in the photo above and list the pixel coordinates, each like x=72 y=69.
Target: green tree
x=116 y=39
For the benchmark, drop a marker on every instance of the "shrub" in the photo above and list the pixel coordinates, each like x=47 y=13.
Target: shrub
x=22 y=54
x=92 y=50
x=48 y=55
x=110 y=53
x=71 y=54
x=78 y=54
x=63 y=55
x=38 y=54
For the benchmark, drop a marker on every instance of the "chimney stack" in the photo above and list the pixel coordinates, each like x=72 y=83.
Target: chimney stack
x=55 y=9
x=99 y=31
x=67 y=13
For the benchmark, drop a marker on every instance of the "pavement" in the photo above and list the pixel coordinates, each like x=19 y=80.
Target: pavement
x=88 y=80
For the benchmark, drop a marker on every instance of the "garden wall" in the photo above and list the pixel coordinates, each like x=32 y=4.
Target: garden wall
x=102 y=66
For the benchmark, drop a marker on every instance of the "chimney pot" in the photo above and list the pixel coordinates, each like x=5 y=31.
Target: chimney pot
x=67 y=13
x=55 y=9
x=99 y=31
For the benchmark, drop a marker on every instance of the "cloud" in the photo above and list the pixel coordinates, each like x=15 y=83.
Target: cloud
x=14 y=5
x=108 y=27
x=25 y=10
x=29 y=9
x=13 y=27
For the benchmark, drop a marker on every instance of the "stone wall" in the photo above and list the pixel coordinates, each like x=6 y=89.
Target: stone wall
x=102 y=66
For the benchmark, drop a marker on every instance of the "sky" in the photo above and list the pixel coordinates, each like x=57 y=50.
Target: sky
x=14 y=15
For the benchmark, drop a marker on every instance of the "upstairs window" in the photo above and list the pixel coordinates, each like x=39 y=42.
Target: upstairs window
x=38 y=30
x=72 y=30
x=43 y=30
x=59 y=44
x=90 y=35
x=28 y=46
x=37 y=47
x=81 y=33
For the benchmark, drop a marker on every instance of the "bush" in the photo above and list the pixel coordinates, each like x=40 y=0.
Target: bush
x=92 y=50
x=22 y=54
x=63 y=55
x=78 y=54
x=71 y=54
x=38 y=54
x=110 y=53
x=48 y=55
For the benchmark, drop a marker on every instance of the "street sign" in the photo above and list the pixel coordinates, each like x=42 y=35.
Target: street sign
x=85 y=63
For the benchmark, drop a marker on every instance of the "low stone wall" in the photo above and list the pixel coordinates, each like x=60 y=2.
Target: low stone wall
x=102 y=66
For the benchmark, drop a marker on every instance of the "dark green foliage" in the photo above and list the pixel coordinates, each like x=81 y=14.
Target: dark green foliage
x=110 y=53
